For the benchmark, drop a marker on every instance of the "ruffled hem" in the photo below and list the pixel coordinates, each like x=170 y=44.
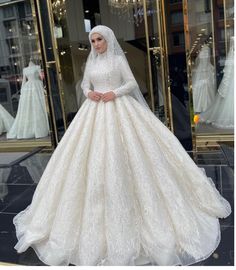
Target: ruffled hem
x=140 y=260
x=136 y=192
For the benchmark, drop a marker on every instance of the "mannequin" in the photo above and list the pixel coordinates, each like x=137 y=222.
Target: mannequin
x=6 y=120
x=31 y=119
x=221 y=113
x=31 y=63
x=203 y=81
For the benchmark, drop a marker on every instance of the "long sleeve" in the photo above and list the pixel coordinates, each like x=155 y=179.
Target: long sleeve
x=129 y=82
x=86 y=83
x=23 y=79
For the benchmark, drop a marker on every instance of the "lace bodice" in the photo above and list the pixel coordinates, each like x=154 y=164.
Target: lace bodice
x=31 y=73
x=101 y=78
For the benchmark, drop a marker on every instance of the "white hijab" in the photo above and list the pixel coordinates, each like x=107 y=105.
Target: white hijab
x=113 y=49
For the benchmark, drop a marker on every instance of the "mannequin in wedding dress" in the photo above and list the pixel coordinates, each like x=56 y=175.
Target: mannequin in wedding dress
x=221 y=113
x=203 y=81
x=6 y=120
x=119 y=188
x=31 y=119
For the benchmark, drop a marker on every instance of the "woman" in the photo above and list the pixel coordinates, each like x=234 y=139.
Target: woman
x=120 y=189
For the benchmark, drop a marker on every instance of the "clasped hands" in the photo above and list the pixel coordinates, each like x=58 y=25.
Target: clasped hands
x=97 y=96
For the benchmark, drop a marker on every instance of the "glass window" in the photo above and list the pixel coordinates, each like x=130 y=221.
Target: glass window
x=209 y=33
x=18 y=45
x=8 y=12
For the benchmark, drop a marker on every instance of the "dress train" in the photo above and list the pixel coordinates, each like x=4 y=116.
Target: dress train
x=120 y=187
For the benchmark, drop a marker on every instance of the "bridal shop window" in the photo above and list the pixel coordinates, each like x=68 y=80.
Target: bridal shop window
x=23 y=95
x=209 y=50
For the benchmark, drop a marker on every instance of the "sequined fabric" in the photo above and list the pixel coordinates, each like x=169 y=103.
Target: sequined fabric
x=121 y=190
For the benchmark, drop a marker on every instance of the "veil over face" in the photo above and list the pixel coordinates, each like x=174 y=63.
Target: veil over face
x=113 y=50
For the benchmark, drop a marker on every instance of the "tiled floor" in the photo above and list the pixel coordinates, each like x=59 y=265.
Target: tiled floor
x=17 y=185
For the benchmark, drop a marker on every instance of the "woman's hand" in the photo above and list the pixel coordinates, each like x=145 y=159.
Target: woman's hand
x=108 y=96
x=95 y=96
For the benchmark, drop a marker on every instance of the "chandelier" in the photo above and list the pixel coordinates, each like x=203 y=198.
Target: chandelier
x=128 y=9
x=59 y=9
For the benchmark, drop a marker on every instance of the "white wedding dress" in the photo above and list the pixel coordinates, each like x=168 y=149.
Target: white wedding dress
x=221 y=112
x=6 y=120
x=203 y=81
x=120 y=189
x=31 y=119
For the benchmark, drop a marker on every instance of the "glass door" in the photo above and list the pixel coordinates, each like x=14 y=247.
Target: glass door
x=156 y=42
x=24 y=100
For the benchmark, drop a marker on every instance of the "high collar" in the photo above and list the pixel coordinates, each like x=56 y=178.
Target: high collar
x=31 y=63
x=102 y=56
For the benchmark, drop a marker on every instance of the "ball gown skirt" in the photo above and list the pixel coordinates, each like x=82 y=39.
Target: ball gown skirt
x=31 y=119
x=221 y=113
x=203 y=93
x=121 y=190
x=6 y=120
